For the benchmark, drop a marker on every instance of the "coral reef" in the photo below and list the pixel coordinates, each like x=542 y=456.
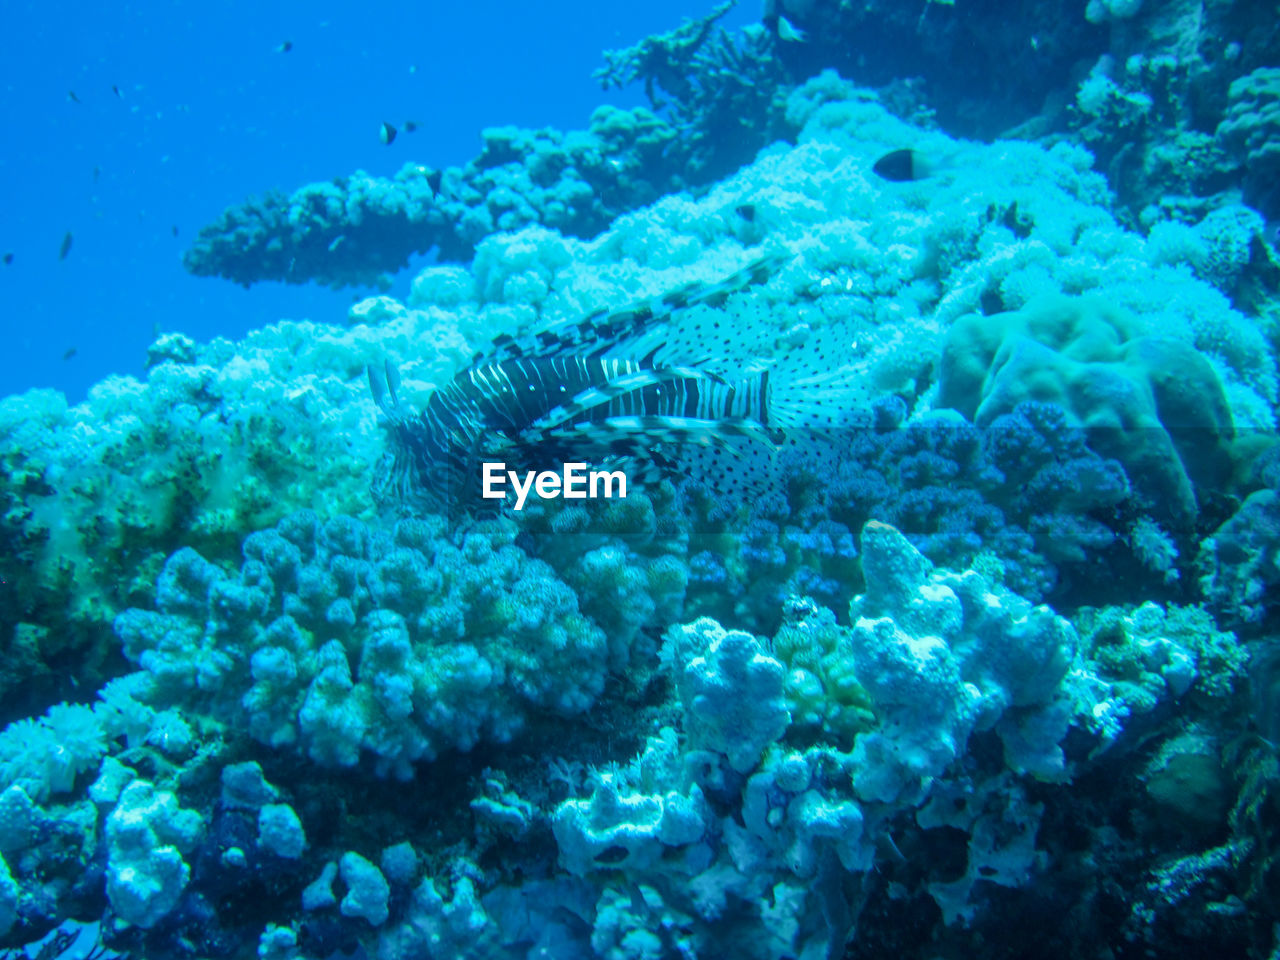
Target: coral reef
x=720 y=90
x=227 y=438
x=1156 y=406
x=1148 y=109
x=1251 y=131
x=336 y=640
x=1240 y=563
x=1151 y=105
x=202 y=452
x=355 y=230
x=741 y=816
x=911 y=700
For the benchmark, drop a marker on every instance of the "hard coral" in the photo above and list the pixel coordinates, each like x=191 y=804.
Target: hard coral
x=1240 y=563
x=732 y=692
x=342 y=639
x=823 y=695
x=1154 y=404
x=1251 y=130
x=355 y=230
x=147 y=834
x=942 y=654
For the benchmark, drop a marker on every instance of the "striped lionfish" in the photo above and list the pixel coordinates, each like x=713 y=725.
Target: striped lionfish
x=623 y=386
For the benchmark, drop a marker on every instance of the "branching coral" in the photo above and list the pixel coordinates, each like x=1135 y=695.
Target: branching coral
x=337 y=639
x=722 y=88
x=355 y=230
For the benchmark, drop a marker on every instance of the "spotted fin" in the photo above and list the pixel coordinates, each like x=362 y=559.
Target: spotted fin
x=635 y=330
x=819 y=390
x=665 y=431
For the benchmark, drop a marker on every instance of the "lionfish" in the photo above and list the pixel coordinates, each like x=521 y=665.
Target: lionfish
x=629 y=386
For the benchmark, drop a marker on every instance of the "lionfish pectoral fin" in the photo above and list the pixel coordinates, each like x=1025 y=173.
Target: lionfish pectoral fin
x=393 y=382
x=384 y=385
x=378 y=388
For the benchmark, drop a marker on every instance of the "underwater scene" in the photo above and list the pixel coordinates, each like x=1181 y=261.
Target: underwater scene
x=814 y=494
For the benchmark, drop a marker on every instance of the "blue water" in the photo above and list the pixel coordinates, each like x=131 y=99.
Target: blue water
x=211 y=112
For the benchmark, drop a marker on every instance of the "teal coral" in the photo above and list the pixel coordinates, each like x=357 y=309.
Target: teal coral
x=823 y=695
x=1154 y=652
x=1251 y=130
x=45 y=755
x=147 y=834
x=356 y=229
x=942 y=655
x=1154 y=404
x=1239 y=564
x=198 y=454
x=731 y=692
x=782 y=831
x=339 y=640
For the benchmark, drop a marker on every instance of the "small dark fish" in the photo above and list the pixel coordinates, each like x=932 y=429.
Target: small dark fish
x=747 y=211
x=387 y=134
x=1018 y=224
x=97 y=171
x=434 y=179
x=902 y=166
x=71 y=95
x=69 y=353
x=175 y=229
x=790 y=32
x=116 y=91
x=410 y=126
x=63 y=250
x=285 y=47
x=615 y=854
x=8 y=259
